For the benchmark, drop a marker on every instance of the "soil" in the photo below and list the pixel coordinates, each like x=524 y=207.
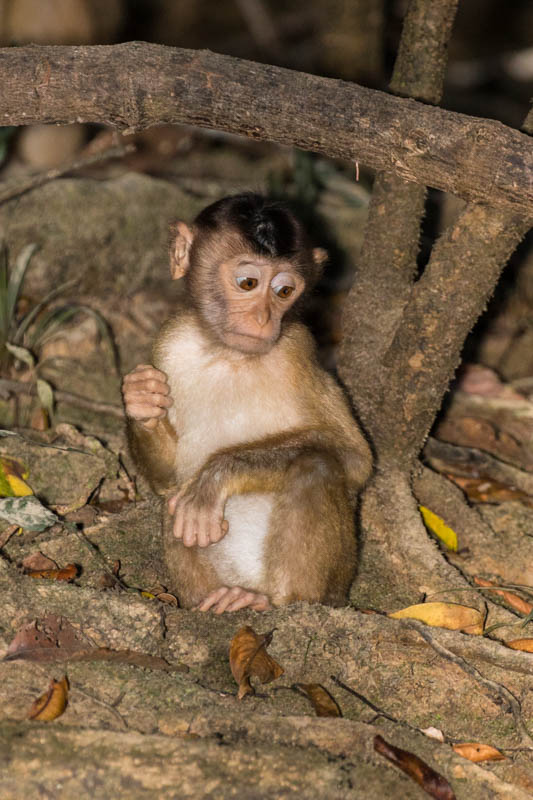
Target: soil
x=174 y=729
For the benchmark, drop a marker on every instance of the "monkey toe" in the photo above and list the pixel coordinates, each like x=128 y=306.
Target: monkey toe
x=234 y=598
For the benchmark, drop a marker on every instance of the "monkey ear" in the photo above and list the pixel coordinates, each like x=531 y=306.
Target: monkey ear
x=181 y=239
x=320 y=256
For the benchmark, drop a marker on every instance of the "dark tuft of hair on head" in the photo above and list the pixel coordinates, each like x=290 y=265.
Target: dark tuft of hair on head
x=269 y=227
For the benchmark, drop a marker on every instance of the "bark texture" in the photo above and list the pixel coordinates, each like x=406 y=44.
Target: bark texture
x=133 y=86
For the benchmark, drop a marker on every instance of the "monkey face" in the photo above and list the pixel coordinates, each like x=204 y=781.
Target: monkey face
x=257 y=291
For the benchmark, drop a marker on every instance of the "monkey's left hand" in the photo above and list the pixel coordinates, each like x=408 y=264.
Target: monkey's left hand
x=198 y=514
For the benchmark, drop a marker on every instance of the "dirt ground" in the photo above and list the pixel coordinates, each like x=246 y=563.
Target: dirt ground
x=152 y=706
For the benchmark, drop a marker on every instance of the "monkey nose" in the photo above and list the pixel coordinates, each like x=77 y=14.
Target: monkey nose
x=262 y=315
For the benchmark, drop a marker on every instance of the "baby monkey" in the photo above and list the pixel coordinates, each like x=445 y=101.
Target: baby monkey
x=251 y=441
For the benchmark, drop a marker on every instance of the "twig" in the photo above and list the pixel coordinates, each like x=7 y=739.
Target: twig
x=495 y=690
x=108 y=706
x=370 y=704
x=19 y=387
x=95 y=552
x=13 y=189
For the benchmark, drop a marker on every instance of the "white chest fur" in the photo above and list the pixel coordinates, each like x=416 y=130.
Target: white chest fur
x=221 y=401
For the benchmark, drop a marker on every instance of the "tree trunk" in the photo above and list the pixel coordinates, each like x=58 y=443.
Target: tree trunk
x=403 y=336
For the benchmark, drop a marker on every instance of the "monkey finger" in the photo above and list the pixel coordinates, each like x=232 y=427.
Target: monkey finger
x=143 y=371
x=177 y=529
x=217 y=529
x=172 y=503
x=203 y=538
x=190 y=530
x=147 y=397
x=142 y=413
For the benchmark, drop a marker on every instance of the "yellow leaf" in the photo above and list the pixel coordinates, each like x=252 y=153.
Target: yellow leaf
x=526 y=645
x=475 y=751
x=20 y=488
x=12 y=484
x=52 y=703
x=444 y=615
x=148 y=595
x=437 y=526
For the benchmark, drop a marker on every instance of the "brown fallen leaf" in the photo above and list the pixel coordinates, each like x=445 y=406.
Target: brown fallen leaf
x=486 y=490
x=526 y=645
x=67 y=573
x=444 y=615
x=324 y=704
x=40 y=420
x=55 y=639
x=434 y=784
x=38 y=562
x=50 y=638
x=51 y=704
x=474 y=751
x=513 y=600
x=169 y=599
x=248 y=658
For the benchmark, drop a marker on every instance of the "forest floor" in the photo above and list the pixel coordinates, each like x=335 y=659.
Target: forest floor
x=152 y=705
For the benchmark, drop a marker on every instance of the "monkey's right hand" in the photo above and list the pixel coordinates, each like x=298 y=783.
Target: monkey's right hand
x=146 y=395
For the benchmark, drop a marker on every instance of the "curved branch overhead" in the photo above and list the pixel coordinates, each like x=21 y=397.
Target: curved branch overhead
x=136 y=85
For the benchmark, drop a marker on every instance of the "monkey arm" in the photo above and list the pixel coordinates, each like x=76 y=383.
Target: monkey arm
x=261 y=466
x=154 y=452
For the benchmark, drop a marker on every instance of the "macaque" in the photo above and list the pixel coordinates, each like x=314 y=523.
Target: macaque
x=251 y=441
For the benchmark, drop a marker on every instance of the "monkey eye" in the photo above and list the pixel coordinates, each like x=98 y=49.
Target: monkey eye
x=246 y=283
x=283 y=291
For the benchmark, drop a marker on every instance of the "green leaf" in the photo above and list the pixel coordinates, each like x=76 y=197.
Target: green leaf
x=437 y=526
x=27 y=512
x=22 y=353
x=45 y=394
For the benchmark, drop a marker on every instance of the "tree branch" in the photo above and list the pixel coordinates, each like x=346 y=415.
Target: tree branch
x=135 y=85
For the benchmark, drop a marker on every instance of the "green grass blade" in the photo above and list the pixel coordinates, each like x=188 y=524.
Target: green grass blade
x=4 y=319
x=16 y=277
x=31 y=315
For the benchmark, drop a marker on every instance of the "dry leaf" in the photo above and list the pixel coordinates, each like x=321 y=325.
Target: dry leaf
x=40 y=419
x=434 y=784
x=474 y=751
x=67 y=573
x=248 y=658
x=37 y=562
x=516 y=602
x=444 y=615
x=433 y=733
x=323 y=703
x=52 y=703
x=526 y=645
x=169 y=599
x=55 y=639
x=48 y=639
x=486 y=490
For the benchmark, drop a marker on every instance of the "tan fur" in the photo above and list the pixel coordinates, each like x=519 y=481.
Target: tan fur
x=270 y=426
x=310 y=548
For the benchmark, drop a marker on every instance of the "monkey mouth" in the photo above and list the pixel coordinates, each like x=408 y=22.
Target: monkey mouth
x=248 y=343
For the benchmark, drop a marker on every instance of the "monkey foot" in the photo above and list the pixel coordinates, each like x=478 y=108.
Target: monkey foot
x=233 y=599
